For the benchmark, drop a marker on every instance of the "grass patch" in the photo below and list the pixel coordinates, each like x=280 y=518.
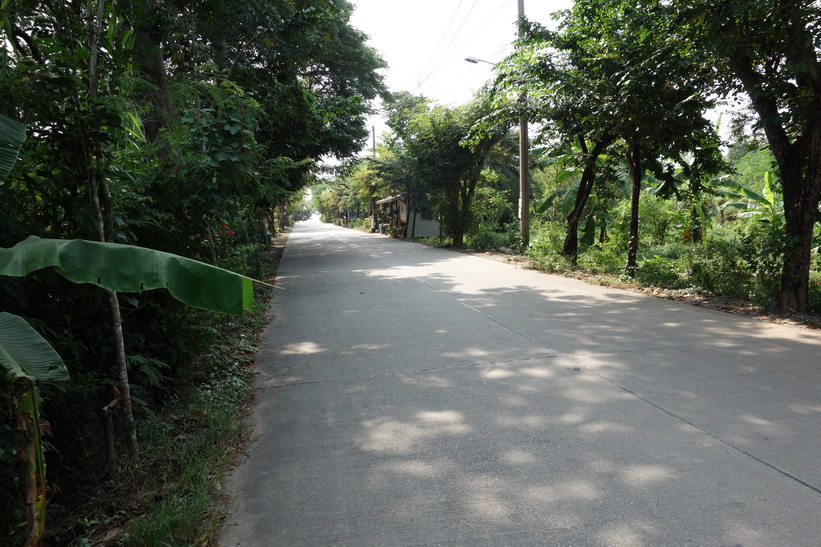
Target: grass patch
x=193 y=442
x=189 y=446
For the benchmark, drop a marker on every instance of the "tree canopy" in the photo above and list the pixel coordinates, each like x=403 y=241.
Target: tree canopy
x=183 y=127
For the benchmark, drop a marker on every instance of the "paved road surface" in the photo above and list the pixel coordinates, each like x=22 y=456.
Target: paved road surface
x=416 y=396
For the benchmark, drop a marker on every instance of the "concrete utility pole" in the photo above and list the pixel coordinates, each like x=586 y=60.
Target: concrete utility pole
x=524 y=157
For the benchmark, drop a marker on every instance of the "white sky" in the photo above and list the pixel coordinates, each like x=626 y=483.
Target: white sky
x=425 y=42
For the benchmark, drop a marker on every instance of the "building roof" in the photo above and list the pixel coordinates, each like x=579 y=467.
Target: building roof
x=389 y=199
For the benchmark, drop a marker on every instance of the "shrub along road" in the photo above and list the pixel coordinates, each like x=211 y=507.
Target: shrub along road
x=409 y=395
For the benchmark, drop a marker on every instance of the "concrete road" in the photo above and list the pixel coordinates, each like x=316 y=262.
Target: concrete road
x=416 y=396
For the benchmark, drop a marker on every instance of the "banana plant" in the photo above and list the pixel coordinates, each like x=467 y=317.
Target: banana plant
x=27 y=359
x=762 y=208
x=127 y=268
x=12 y=135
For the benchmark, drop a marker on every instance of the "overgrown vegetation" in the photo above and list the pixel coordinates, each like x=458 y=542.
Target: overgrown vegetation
x=192 y=442
x=190 y=130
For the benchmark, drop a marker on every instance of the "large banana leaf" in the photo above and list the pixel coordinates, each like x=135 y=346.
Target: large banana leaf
x=26 y=354
x=12 y=135
x=125 y=268
x=739 y=191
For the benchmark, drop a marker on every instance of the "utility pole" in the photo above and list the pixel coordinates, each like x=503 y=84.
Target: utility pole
x=524 y=156
x=374 y=216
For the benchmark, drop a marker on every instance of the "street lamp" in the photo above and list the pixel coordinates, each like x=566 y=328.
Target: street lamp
x=476 y=61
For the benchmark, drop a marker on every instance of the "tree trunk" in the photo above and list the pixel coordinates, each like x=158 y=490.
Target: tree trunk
x=571 y=240
x=634 y=161
x=799 y=163
x=570 y=249
x=697 y=233
x=101 y=199
x=31 y=452
x=793 y=294
x=458 y=239
x=802 y=192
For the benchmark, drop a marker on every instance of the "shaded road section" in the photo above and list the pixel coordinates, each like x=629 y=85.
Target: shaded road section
x=415 y=396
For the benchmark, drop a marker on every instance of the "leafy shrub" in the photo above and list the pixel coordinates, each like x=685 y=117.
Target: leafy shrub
x=484 y=239
x=434 y=241
x=655 y=220
x=545 y=240
x=246 y=259
x=815 y=292
x=396 y=230
x=660 y=272
x=607 y=259
x=360 y=223
x=553 y=262
x=720 y=266
x=671 y=251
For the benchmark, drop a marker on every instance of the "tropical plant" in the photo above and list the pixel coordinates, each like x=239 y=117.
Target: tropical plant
x=763 y=208
x=28 y=360
x=446 y=165
x=26 y=357
x=12 y=135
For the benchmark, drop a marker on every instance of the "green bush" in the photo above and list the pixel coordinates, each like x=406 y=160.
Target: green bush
x=545 y=240
x=247 y=259
x=660 y=272
x=720 y=266
x=553 y=262
x=434 y=241
x=671 y=251
x=484 y=239
x=361 y=223
x=815 y=292
x=607 y=259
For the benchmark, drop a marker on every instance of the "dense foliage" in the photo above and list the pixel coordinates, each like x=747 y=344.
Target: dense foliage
x=178 y=126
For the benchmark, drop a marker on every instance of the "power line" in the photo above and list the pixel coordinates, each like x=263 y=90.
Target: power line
x=435 y=51
x=500 y=8
x=444 y=53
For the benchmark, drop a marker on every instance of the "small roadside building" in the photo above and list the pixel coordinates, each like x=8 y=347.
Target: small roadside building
x=396 y=210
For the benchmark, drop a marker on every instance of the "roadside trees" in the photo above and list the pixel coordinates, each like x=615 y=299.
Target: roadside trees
x=768 y=50
x=444 y=163
x=562 y=97
x=171 y=125
x=606 y=82
x=656 y=103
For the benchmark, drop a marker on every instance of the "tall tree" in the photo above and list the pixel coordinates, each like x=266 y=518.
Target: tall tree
x=769 y=50
x=396 y=165
x=446 y=164
x=604 y=81
x=155 y=120
x=563 y=97
x=658 y=102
